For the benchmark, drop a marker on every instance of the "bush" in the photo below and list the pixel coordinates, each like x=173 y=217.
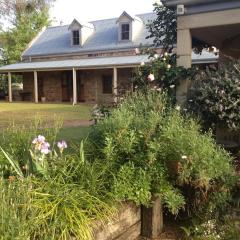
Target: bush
x=168 y=155
x=215 y=95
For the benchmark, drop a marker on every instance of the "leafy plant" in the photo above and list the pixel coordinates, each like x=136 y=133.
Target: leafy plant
x=166 y=152
x=215 y=95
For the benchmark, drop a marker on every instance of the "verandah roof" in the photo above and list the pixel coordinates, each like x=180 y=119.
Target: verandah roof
x=76 y=63
x=91 y=63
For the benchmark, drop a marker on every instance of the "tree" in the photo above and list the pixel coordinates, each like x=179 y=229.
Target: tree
x=164 y=30
x=27 y=18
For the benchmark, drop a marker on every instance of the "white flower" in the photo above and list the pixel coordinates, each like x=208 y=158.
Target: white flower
x=164 y=59
x=137 y=51
x=156 y=56
x=184 y=157
x=172 y=86
x=159 y=89
x=151 y=77
x=62 y=144
x=168 y=66
x=45 y=151
x=178 y=108
x=165 y=54
x=142 y=63
x=41 y=139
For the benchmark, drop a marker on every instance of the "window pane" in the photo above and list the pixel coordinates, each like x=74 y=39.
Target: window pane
x=125 y=36
x=125 y=27
x=125 y=31
x=76 y=38
x=107 y=84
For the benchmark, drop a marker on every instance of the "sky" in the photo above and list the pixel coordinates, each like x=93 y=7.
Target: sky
x=88 y=10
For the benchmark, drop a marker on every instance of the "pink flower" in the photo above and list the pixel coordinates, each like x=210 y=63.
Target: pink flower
x=41 y=139
x=62 y=145
x=41 y=145
x=45 y=148
x=151 y=77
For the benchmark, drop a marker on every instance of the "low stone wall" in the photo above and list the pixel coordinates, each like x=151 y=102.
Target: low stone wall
x=126 y=226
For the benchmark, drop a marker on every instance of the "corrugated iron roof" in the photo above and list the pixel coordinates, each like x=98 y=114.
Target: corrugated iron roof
x=77 y=63
x=57 y=40
x=205 y=57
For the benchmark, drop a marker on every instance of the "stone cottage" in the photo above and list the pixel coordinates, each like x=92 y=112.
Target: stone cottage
x=84 y=62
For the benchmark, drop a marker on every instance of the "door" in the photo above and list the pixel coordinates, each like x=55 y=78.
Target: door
x=80 y=87
x=67 y=89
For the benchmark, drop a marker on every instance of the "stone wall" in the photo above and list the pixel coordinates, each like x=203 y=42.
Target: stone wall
x=50 y=85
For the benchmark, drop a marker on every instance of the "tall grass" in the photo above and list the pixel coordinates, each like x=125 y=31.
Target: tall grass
x=64 y=206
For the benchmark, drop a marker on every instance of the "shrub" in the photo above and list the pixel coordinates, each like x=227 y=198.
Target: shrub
x=168 y=155
x=215 y=95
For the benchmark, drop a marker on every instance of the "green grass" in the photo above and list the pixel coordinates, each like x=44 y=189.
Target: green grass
x=74 y=117
x=73 y=133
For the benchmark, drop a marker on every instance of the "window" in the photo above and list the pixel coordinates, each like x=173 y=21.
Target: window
x=107 y=84
x=75 y=35
x=125 y=31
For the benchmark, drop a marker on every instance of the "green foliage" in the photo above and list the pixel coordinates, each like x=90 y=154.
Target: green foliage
x=145 y=137
x=165 y=25
x=16 y=143
x=167 y=75
x=65 y=203
x=163 y=30
x=133 y=184
x=225 y=229
x=29 y=17
x=215 y=95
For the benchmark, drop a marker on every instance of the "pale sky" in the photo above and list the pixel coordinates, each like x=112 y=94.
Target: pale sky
x=89 y=10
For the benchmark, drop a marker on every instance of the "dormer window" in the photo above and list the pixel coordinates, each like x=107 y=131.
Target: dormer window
x=80 y=32
x=128 y=27
x=75 y=38
x=125 y=31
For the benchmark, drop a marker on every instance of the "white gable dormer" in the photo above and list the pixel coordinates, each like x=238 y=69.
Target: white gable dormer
x=80 y=32
x=128 y=27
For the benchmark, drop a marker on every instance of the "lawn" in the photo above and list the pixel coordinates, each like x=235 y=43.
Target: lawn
x=76 y=119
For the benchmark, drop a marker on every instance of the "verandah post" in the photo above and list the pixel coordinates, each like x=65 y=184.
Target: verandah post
x=74 y=86
x=9 y=87
x=115 y=80
x=35 y=87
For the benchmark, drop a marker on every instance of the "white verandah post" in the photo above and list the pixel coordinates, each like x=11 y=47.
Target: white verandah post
x=35 y=87
x=115 y=80
x=9 y=87
x=74 y=86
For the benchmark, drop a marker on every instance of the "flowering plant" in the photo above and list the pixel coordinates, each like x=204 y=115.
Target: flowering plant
x=215 y=96
x=160 y=74
x=40 y=150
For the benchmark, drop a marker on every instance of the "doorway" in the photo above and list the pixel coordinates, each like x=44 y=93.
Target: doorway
x=67 y=86
x=80 y=87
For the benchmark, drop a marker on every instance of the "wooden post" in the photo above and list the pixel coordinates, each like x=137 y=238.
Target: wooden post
x=115 y=80
x=184 y=53
x=152 y=220
x=35 y=87
x=9 y=87
x=74 y=86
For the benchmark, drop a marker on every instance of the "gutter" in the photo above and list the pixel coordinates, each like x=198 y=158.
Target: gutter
x=171 y=3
